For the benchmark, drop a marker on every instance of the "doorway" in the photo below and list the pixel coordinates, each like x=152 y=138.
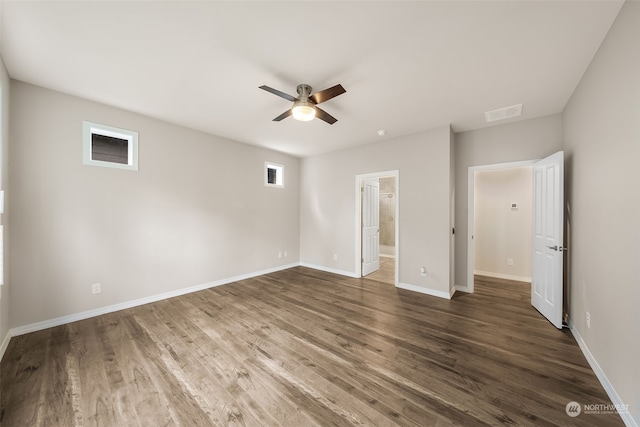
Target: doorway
x=503 y=223
x=387 y=208
x=507 y=206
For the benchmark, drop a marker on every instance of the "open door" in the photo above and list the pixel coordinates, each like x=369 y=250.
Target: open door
x=370 y=226
x=548 y=247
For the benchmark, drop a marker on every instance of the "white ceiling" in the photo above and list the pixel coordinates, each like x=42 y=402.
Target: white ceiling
x=406 y=66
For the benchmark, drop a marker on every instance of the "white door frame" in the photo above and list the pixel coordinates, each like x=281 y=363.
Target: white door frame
x=471 y=211
x=358 y=219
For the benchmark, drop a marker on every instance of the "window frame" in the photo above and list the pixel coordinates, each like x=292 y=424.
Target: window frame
x=91 y=128
x=279 y=174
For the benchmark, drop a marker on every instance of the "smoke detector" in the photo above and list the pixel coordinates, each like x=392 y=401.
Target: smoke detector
x=503 y=113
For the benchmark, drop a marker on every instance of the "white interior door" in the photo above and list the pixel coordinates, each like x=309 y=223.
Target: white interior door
x=548 y=247
x=370 y=226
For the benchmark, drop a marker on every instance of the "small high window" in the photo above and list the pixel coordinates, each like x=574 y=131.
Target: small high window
x=273 y=174
x=110 y=147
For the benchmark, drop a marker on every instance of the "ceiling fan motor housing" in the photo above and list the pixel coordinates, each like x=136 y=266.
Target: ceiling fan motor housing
x=304 y=90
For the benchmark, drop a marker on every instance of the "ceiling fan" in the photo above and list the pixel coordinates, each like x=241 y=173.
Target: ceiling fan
x=305 y=106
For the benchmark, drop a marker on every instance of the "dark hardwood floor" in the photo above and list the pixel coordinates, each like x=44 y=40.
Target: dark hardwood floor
x=305 y=348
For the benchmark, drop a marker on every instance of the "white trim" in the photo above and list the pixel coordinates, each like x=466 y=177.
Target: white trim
x=5 y=344
x=358 y=220
x=606 y=384
x=405 y=286
x=426 y=291
x=471 y=208
x=33 y=327
x=503 y=276
x=462 y=289
x=386 y=256
x=330 y=270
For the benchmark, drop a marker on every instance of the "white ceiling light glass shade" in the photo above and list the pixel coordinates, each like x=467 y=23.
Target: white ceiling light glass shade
x=303 y=111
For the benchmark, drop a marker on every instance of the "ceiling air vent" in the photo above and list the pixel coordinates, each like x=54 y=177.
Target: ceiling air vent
x=503 y=113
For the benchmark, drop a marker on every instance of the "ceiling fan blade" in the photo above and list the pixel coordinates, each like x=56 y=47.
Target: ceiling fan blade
x=327 y=94
x=323 y=115
x=283 y=115
x=279 y=93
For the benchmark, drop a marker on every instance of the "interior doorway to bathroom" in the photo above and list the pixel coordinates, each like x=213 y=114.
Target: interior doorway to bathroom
x=377 y=240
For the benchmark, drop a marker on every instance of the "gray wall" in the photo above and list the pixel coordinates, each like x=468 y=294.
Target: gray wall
x=197 y=211
x=328 y=206
x=602 y=145
x=4 y=181
x=518 y=141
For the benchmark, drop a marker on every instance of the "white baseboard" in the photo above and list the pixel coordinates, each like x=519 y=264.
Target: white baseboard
x=503 y=276
x=5 y=344
x=463 y=289
x=386 y=256
x=427 y=291
x=606 y=384
x=406 y=286
x=330 y=270
x=33 y=327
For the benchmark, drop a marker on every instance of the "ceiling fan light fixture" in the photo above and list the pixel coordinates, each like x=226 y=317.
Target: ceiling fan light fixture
x=303 y=111
x=304 y=106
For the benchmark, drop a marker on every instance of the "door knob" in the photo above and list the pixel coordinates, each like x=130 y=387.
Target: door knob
x=554 y=247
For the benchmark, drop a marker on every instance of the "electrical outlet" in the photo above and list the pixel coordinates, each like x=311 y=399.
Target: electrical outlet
x=335 y=257
x=509 y=261
x=588 y=319
x=96 y=288
x=280 y=254
x=423 y=271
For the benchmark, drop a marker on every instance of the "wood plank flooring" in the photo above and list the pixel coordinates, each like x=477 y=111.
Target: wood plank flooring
x=305 y=348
